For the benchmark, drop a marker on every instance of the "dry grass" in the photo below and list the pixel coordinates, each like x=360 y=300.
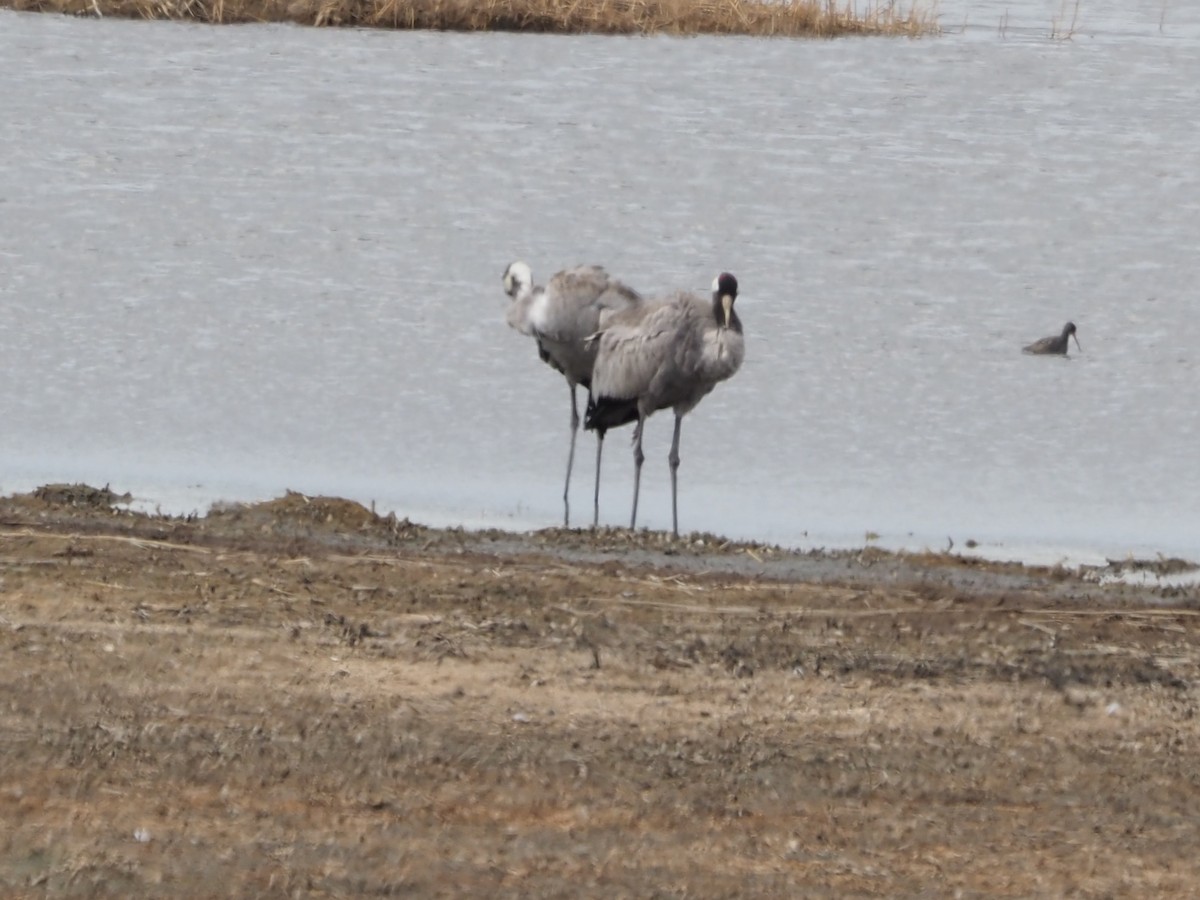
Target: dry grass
x=303 y=699
x=786 y=18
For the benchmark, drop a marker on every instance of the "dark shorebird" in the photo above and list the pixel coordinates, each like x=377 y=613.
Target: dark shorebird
x=560 y=317
x=669 y=353
x=1057 y=344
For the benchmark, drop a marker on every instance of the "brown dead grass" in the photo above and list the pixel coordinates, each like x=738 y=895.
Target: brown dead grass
x=786 y=18
x=303 y=699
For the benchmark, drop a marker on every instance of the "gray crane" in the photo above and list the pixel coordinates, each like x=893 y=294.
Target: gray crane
x=1056 y=344
x=560 y=317
x=669 y=353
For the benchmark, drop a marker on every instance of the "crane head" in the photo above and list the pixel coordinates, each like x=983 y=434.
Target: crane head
x=725 y=289
x=517 y=276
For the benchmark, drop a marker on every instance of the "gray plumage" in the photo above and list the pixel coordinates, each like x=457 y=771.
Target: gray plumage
x=560 y=317
x=1056 y=344
x=669 y=353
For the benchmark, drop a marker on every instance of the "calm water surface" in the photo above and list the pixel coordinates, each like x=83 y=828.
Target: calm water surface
x=235 y=260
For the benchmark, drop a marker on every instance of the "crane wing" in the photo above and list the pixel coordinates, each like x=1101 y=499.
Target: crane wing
x=635 y=347
x=573 y=303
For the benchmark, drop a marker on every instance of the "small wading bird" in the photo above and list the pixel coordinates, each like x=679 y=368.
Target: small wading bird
x=560 y=317
x=1056 y=344
x=669 y=353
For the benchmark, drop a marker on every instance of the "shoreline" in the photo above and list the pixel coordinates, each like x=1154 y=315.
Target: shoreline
x=1100 y=561
x=353 y=526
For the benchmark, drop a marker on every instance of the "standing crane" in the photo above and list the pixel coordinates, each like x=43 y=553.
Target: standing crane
x=560 y=317
x=665 y=354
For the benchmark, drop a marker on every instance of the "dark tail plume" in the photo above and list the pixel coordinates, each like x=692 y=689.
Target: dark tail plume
x=608 y=412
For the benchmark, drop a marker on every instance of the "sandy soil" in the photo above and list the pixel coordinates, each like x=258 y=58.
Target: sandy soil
x=300 y=698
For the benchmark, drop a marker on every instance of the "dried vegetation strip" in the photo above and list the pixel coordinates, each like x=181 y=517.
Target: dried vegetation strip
x=784 y=18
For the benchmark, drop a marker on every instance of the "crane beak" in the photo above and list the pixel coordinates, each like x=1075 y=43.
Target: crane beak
x=1080 y=349
x=727 y=307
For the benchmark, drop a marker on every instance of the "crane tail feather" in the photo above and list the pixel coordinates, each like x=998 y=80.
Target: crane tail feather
x=604 y=413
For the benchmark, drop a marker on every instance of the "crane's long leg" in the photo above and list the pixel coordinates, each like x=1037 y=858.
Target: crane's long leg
x=673 y=459
x=596 y=496
x=638 y=459
x=570 y=459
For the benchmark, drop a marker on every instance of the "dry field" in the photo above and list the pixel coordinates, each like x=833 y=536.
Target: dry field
x=765 y=18
x=302 y=699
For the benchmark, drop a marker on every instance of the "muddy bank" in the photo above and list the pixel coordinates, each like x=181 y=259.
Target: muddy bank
x=337 y=524
x=303 y=698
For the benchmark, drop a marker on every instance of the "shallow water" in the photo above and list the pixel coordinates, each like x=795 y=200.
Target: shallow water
x=242 y=259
